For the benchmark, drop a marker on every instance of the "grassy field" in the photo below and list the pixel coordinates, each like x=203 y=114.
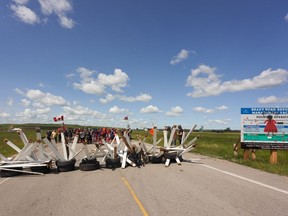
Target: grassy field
x=217 y=145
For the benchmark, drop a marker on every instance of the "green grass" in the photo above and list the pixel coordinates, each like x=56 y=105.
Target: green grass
x=217 y=145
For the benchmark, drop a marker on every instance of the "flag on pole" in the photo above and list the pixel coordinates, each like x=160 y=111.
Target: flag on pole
x=151 y=131
x=126 y=118
x=60 y=118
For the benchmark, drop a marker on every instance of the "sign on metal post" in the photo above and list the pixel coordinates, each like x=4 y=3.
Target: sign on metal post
x=264 y=128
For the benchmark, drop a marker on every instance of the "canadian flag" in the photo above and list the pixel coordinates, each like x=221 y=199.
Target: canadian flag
x=60 y=118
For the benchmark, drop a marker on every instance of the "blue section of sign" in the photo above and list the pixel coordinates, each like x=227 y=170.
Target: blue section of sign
x=262 y=110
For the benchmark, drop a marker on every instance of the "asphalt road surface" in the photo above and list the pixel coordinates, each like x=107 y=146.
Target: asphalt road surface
x=199 y=186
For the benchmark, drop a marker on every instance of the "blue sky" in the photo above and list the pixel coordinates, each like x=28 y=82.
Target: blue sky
x=160 y=63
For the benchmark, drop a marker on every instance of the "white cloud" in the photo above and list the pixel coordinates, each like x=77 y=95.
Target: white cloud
x=25 y=14
x=21 y=2
x=55 y=6
x=272 y=99
x=205 y=82
x=25 y=102
x=116 y=109
x=38 y=105
x=43 y=111
x=223 y=107
x=4 y=114
x=116 y=81
x=180 y=57
x=286 y=18
x=202 y=109
x=27 y=114
x=88 y=84
x=82 y=111
x=43 y=98
x=48 y=7
x=150 y=109
x=108 y=98
x=66 y=22
x=218 y=121
x=141 y=97
x=175 y=111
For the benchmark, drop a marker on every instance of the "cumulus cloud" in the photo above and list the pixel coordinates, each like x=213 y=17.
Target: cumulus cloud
x=38 y=96
x=55 y=6
x=60 y=8
x=4 y=114
x=272 y=99
x=205 y=81
x=116 y=81
x=82 y=111
x=27 y=114
x=21 y=2
x=108 y=98
x=150 y=109
x=116 y=109
x=175 y=111
x=66 y=22
x=182 y=55
x=218 y=121
x=43 y=111
x=141 y=98
x=138 y=98
x=25 y=102
x=223 y=107
x=202 y=109
x=25 y=14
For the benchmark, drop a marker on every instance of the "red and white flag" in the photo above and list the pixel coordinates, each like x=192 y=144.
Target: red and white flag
x=60 y=118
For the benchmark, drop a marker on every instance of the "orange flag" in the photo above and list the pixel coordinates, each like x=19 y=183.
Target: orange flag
x=151 y=131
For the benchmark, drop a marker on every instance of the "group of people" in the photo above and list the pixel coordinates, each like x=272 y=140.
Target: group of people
x=86 y=135
x=96 y=135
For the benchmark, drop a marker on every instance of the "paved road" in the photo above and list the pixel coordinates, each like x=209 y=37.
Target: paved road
x=200 y=186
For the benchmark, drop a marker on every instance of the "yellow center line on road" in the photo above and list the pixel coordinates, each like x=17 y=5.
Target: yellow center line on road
x=135 y=197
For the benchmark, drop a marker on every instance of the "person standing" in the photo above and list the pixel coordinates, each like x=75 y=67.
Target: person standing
x=48 y=135
x=180 y=134
x=54 y=135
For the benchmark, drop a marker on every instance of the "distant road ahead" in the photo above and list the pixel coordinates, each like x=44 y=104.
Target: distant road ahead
x=204 y=186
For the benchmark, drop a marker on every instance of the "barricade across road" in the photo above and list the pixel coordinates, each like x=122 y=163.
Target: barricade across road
x=39 y=157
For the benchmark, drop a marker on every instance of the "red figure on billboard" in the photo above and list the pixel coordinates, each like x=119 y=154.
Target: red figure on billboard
x=270 y=126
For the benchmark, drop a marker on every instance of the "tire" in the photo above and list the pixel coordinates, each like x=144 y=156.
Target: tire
x=171 y=156
x=66 y=166
x=135 y=158
x=89 y=166
x=154 y=159
x=113 y=163
x=6 y=173
x=41 y=169
x=89 y=161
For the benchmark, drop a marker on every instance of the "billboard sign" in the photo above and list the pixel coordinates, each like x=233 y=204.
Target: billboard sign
x=264 y=128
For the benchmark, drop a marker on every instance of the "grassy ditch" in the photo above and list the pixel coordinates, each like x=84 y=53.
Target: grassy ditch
x=213 y=144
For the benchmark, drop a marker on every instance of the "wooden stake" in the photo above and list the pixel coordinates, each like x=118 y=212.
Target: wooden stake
x=273 y=156
x=246 y=154
x=253 y=154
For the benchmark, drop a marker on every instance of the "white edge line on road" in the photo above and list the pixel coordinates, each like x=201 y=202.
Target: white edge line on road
x=247 y=179
x=4 y=180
